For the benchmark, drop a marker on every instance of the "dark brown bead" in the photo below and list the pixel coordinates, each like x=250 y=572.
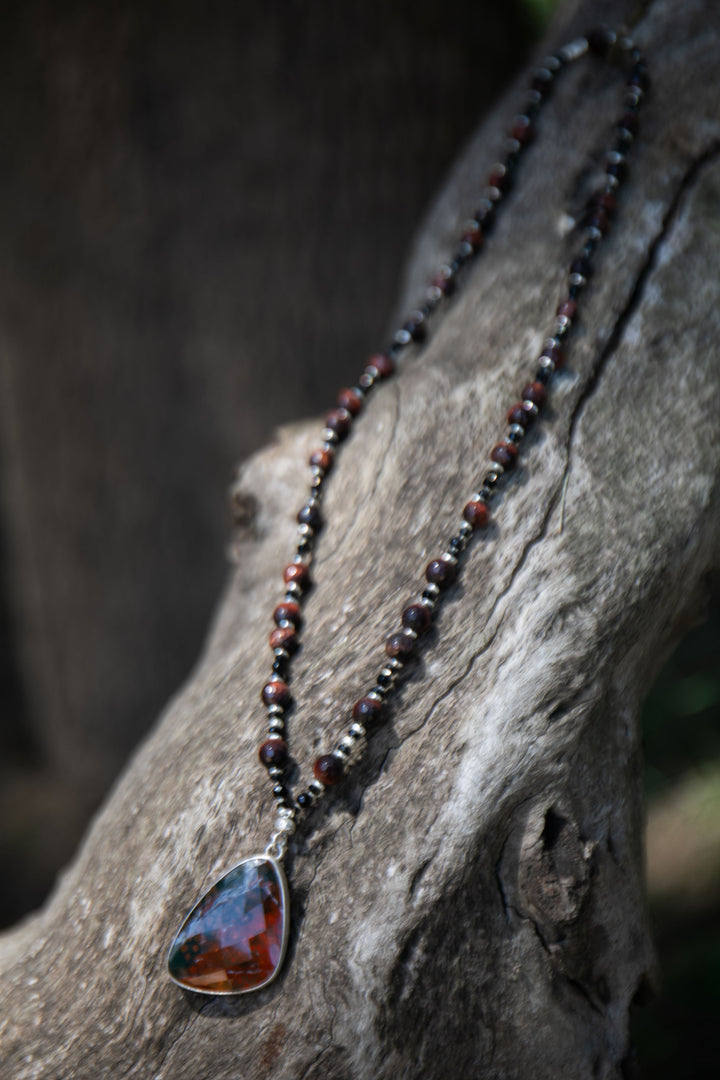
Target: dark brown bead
x=322 y=459
x=310 y=515
x=568 y=309
x=445 y=283
x=276 y=692
x=521 y=413
x=473 y=237
x=476 y=514
x=440 y=571
x=534 y=392
x=288 y=611
x=367 y=710
x=417 y=617
x=383 y=364
x=298 y=572
x=505 y=454
x=400 y=645
x=606 y=201
x=328 y=769
x=273 y=752
x=499 y=178
x=522 y=130
x=339 y=421
x=284 y=637
x=556 y=354
x=350 y=400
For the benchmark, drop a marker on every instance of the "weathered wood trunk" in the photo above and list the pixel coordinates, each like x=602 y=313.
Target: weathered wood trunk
x=471 y=899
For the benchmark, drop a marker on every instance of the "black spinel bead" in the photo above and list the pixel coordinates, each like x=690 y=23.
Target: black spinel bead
x=542 y=375
x=384 y=680
x=304 y=800
x=279 y=665
x=455 y=546
x=304 y=547
x=490 y=480
x=428 y=594
x=379 y=689
x=514 y=436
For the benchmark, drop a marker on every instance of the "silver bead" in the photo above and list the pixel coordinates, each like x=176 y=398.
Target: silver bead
x=306 y=531
x=346 y=746
x=402 y=337
x=275 y=772
x=281 y=654
x=495 y=469
x=517 y=431
x=552 y=63
x=466 y=530
x=449 y=558
x=276 y=710
x=577 y=280
x=357 y=729
x=317 y=788
x=432 y=589
x=341 y=752
x=547 y=364
x=284 y=825
x=293 y=590
x=374 y=696
x=434 y=295
x=574 y=50
x=387 y=673
x=329 y=436
x=396 y=664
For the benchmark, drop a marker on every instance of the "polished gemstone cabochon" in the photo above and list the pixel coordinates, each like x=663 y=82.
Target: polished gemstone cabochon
x=234 y=939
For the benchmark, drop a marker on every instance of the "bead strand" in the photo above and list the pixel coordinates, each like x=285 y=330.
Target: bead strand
x=440 y=572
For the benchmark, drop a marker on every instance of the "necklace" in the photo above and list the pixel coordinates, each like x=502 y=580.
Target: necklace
x=235 y=937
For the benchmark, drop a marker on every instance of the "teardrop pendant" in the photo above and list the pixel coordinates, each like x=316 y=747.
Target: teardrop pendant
x=234 y=939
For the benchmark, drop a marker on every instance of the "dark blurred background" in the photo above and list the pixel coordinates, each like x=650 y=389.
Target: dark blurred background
x=204 y=210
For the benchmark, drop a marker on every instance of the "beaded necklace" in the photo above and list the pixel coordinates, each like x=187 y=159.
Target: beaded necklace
x=235 y=938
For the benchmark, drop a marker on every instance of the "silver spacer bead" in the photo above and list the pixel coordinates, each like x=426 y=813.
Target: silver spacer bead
x=513 y=146
x=374 y=696
x=284 y=825
x=306 y=531
x=547 y=364
x=357 y=729
x=330 y=437
x=342 y=753
x=276 y=710
x=494 y=194
x=449 y=558
x=432 y=589
x=281 y=654
x=387 y=673
x=345 y=747
x=396 y=664
x=434 y=295
x=534 y=410
x=465 y=529
x=577 y=280
x=402 y=337
x=316 y=788
x=517 y=430
x=563 y=320
x=495 y=468
x=552 y=64
x=293 y=591
x=574 y=50
x=275 y=772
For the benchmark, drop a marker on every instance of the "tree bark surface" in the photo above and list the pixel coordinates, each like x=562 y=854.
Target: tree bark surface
x=470 y=900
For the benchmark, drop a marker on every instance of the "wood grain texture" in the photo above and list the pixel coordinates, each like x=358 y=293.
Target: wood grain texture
x=471 y=900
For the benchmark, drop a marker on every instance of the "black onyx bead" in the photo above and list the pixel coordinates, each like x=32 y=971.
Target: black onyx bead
x=490 y=480
x=280 y=665
x=455 y=545
x=600 y=40
x=304 y=800
x=582 y=265
x=384 y=680
x=417 y=617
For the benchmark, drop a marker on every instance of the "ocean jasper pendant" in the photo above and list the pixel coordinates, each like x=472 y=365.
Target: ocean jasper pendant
x=235 y=937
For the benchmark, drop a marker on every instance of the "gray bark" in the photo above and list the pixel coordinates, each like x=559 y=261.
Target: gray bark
x=471 y=898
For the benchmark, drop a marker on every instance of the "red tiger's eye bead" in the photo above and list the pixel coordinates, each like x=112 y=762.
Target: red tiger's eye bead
x=273 y=752
x=522 y=130
x=288 y=611
x=276 y=692
x=298 y=572
x=555 y=353
x=366 y=710
x=521 y=413
x=440 y=571
x=505 y=454
x=568 y=308
x=606 y=201
x=322 y=459
x=473 y=237
x=400 y=645
x=444 y=282
x=350 y=400
x=339 y=421
x=284 y=637
x=328 y=769
x=534 y=392
x=599 y=220
x=383 y=364
x=417 y=617
x=476 y=514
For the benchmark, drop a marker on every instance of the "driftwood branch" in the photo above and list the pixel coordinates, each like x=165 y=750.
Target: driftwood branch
x=471 y=900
